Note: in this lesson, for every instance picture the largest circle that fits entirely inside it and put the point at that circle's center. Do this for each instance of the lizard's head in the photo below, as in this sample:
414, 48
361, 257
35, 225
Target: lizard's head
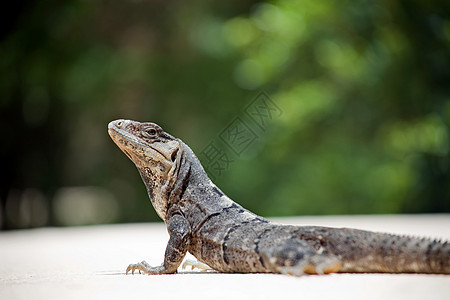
155, 153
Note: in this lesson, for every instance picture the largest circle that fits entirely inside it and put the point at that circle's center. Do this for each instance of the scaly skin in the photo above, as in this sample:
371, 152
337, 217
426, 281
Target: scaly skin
201, 219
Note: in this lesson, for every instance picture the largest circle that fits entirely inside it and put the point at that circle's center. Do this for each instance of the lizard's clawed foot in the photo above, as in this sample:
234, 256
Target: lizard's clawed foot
143, 266
195, 264
298, 258
315, 265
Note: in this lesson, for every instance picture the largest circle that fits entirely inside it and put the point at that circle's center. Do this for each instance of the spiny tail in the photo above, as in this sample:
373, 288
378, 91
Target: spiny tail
417, 255
380, 252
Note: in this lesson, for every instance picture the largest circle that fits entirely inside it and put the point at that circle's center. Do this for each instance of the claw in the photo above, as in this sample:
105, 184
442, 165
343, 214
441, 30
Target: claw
144, 268
132, 268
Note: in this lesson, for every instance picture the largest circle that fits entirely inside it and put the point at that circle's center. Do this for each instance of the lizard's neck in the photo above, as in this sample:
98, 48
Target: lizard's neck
193, 188
191, 170
167, 189
187, 182
189, 178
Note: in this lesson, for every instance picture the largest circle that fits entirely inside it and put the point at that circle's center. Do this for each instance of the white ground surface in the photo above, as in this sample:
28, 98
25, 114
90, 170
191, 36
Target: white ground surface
89, 263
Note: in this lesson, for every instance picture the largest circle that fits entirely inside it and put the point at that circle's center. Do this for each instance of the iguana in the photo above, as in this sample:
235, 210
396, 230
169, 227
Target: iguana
203, 221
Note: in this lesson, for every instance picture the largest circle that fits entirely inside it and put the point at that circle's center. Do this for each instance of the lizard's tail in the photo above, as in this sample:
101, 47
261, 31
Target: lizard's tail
398, 254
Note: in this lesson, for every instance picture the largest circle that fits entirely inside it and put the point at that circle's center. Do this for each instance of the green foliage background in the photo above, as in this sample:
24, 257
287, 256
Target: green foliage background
363, 85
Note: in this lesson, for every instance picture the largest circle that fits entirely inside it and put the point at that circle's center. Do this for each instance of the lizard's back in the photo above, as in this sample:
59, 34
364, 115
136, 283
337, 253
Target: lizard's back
239, 241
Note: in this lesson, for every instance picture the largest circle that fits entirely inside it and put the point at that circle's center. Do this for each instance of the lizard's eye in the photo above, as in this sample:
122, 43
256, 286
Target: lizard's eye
149, 132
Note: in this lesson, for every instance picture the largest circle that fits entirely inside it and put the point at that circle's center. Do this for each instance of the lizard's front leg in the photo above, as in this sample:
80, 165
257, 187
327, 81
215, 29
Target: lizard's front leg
179, 231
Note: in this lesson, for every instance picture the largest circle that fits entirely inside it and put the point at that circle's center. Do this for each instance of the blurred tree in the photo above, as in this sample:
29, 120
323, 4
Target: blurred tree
363, 87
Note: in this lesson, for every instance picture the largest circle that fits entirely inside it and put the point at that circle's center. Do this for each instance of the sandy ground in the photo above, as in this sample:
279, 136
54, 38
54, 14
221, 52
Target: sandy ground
89, 263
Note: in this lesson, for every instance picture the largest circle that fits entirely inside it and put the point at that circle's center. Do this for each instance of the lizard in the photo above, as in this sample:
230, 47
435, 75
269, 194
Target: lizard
220, 233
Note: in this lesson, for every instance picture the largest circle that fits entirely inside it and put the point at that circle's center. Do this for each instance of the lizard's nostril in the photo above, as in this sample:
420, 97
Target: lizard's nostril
119, 124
